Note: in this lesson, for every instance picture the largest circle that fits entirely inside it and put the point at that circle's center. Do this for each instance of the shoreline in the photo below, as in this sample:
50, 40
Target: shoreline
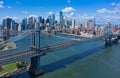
16, 70
9, 74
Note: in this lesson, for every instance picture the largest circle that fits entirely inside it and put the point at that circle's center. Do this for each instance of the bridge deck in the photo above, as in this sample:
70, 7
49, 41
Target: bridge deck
31, 53
6, 59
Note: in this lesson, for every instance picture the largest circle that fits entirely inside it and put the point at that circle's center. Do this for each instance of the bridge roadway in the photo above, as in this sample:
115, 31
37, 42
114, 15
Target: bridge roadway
6, 59
3, 43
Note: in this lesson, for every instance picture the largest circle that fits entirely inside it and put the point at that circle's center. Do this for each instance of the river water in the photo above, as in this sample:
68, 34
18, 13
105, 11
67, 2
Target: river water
88, 60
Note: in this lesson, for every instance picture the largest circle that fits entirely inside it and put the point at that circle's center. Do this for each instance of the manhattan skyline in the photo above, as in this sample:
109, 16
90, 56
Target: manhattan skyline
103, 10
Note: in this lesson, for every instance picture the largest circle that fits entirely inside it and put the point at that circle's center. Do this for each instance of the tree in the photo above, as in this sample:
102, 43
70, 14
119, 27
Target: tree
22, 63
1, 68
18, 65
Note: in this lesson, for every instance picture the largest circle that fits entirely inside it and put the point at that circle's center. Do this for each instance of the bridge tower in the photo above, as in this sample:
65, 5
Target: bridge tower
35, 66
108, 34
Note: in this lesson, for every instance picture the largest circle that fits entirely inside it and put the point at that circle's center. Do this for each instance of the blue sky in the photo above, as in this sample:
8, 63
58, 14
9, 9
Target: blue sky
103, 10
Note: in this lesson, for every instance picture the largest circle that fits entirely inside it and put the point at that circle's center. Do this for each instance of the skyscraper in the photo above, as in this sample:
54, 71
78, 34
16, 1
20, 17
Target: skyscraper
94, 21
90, 24
53, 19
66, 21
40, 19
12, 25
47, 20
73, 23
15, 27
7, 26
19, 28
37, 24
85, 25
69, 23
24, 24
61, 19
31, 20
50, 20
7, 23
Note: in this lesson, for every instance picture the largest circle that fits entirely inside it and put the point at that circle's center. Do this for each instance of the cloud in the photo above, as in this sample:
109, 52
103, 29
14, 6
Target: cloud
68, 9
102, 11
9, 7
72, 13
116, 9
8, 17
68, 1
18, 2
110, 18
85, 15
57, 14
1, 4
25, 12
50, 13
33, 15
15, 17
115, 4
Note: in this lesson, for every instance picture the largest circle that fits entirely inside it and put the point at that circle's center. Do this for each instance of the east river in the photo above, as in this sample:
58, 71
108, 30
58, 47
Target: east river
88, 60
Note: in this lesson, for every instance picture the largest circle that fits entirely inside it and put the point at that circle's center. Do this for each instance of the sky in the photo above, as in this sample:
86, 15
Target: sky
103, 11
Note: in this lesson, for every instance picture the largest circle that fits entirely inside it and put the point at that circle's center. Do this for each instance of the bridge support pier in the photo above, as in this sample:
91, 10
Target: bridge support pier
35, 66
118, 37
108, 41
